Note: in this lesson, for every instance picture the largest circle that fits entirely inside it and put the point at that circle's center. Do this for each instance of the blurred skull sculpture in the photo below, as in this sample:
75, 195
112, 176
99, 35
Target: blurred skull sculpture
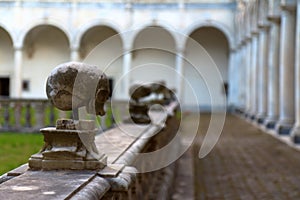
73, 85
138, 109
71, 144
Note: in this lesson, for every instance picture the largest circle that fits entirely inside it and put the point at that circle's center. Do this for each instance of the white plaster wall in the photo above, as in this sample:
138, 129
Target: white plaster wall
74, 20
105, 49
216, 45
6, 55
154, 57
205, 69
50, 49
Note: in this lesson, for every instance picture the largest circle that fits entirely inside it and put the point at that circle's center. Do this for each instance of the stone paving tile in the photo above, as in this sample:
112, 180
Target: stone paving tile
184, 181
246, 164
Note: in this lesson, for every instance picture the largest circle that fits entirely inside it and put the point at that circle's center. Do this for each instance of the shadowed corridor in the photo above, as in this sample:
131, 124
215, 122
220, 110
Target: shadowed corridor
245, 164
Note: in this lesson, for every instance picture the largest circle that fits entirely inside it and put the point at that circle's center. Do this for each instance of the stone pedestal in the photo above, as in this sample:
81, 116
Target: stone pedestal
283, 127
270, 122
296, 134
69, 145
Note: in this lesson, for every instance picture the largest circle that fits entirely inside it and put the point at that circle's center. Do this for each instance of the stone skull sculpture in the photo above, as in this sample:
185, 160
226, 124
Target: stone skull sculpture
139, 91
72, 85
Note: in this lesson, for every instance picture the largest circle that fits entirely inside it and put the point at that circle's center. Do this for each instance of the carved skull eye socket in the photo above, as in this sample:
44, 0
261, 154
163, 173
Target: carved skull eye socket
102, 95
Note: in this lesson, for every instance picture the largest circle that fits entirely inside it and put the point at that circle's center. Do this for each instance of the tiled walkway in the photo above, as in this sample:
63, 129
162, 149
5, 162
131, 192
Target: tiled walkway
245, 164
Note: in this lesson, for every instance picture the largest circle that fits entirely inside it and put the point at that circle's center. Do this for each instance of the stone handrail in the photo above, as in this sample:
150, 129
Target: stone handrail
95, 1
120, 179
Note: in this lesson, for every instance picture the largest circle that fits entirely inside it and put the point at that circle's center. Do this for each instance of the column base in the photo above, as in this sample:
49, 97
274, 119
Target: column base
270, 122
239, 111
252, 117
283, 128
296, 139
260, 118
295, 132
248, 114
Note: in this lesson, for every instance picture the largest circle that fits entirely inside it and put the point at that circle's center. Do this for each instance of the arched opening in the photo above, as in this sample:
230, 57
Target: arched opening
102, 46
7, 63
215, 43
45, 47
153, 57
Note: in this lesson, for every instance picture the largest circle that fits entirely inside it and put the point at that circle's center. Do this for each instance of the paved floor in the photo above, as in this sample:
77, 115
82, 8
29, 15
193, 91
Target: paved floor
245, 164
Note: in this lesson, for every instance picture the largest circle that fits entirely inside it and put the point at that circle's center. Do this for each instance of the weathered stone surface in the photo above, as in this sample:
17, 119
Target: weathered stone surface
117, 180
72, 85
111, 170
45, 185
139, 110
139, 107
69, 124
63, 149
139, 113
71, 144
115, 142
124, 180
95, 189
18, 171
160, 88
139, 91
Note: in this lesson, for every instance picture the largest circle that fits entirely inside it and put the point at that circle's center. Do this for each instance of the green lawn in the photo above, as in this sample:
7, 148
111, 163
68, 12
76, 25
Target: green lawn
16, 148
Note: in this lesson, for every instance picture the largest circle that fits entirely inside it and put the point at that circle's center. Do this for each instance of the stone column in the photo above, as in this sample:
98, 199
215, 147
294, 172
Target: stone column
262, 73
75, 54
296, 128
238, 77
179, 80
286, 71
273, 73
232, 78
243, 80
254, 74
248, 77
127, 59
17, 77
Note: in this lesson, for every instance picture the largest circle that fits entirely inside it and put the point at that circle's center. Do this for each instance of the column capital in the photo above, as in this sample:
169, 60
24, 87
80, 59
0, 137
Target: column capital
263, 27
274, 18
288, 7
127, 50
180, 50
240, 45
233, 50
127, 47
18, 47
254, 33
244, 41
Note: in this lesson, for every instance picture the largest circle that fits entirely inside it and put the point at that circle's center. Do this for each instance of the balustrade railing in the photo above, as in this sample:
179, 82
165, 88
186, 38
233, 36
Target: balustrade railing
29, 115
139, 166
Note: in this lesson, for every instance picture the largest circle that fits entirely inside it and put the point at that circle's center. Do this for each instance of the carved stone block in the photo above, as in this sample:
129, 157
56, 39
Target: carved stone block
64, 149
